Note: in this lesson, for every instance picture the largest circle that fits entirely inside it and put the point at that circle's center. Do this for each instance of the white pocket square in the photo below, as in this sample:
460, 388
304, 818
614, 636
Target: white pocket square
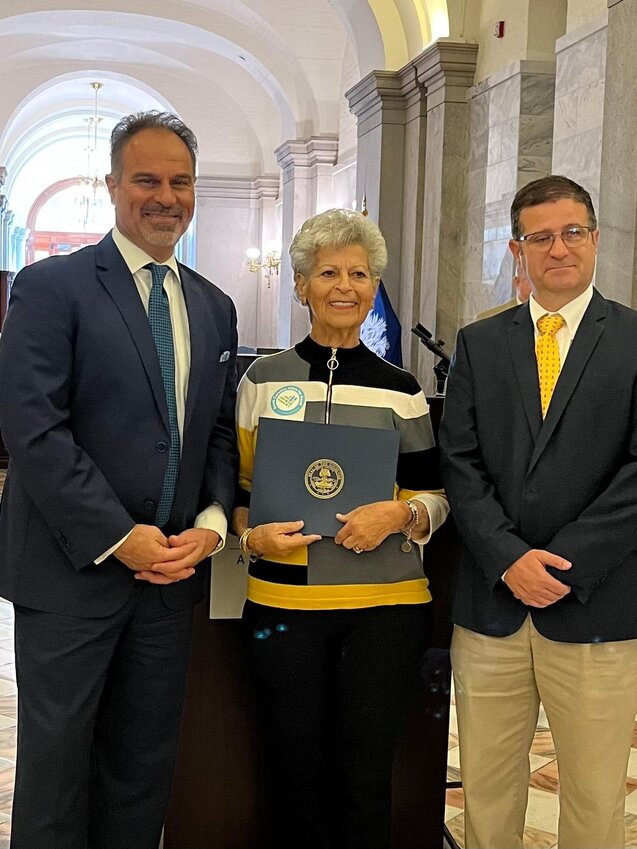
224, 357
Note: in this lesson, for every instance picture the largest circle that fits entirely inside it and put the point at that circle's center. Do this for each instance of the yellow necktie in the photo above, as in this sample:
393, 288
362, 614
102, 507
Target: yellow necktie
548, 356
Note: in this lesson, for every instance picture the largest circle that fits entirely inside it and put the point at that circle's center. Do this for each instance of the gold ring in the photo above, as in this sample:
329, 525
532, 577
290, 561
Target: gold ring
357, 550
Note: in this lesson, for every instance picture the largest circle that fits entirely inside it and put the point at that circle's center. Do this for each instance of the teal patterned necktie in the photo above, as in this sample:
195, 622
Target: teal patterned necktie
161, 328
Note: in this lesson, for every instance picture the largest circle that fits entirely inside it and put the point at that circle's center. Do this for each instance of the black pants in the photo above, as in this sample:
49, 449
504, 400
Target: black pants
334, 688
99, 704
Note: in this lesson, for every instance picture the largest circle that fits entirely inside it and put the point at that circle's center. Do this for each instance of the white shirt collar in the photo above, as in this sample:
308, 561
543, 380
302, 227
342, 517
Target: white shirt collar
572, 313
135, 258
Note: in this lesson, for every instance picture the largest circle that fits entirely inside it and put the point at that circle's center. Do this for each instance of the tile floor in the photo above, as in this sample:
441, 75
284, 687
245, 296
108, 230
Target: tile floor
8, 695
542, 812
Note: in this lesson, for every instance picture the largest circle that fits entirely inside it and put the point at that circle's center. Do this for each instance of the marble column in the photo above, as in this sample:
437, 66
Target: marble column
20, 245
617, 260
4, 204
414, 155
266, 200
446, 69
378, 101
230, 219
8, 239
306, 183
4, 210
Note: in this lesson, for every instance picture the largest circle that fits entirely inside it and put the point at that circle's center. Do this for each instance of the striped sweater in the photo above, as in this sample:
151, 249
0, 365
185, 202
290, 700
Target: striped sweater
365, 391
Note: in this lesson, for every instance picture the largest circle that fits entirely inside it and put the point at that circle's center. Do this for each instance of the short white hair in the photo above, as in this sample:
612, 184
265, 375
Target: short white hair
338, 228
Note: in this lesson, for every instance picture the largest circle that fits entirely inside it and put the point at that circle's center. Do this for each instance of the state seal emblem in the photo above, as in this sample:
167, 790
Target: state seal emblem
324, 478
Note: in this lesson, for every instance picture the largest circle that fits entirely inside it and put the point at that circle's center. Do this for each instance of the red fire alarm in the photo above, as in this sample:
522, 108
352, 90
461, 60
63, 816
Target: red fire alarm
498, 29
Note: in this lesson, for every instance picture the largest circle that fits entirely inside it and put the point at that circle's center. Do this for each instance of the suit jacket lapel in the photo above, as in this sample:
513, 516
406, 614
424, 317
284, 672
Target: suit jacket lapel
583, 345
522, 349
203, 337
116, 278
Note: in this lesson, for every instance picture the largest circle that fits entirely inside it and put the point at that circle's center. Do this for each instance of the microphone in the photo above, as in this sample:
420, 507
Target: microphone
441, 368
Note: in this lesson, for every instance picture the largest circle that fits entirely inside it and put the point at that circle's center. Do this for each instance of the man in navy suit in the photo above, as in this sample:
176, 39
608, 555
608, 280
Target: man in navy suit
117, 391
539, 448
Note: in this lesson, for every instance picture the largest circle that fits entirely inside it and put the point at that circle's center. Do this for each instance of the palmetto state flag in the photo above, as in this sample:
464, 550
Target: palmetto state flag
381, 329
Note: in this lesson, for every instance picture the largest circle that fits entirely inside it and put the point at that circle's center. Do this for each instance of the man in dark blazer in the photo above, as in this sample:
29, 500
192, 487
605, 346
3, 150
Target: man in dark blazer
122, 472
542, 481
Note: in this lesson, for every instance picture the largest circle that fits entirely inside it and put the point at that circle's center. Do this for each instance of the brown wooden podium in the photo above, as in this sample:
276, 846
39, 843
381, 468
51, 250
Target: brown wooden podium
217, 800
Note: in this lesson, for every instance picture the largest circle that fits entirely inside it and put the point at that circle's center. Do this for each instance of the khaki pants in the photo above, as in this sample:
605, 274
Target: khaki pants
589, 693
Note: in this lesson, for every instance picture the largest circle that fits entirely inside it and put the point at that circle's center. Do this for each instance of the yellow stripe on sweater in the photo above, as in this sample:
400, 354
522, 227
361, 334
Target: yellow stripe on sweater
337, 596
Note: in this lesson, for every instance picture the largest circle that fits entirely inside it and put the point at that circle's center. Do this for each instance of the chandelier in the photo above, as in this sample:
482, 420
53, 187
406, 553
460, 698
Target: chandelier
91, 188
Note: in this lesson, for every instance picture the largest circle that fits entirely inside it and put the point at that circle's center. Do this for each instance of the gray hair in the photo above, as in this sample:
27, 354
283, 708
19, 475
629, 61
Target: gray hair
128, 126
337, 228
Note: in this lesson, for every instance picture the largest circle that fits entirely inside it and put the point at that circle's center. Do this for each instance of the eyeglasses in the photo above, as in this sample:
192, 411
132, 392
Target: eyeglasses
573, 237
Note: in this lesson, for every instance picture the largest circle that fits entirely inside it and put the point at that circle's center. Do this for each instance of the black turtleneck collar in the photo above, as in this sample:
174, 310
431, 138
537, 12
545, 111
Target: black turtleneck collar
318, 355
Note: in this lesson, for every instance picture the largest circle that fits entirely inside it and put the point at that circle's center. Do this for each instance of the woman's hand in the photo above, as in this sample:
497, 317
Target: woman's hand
278, 539
367, 526
275, 538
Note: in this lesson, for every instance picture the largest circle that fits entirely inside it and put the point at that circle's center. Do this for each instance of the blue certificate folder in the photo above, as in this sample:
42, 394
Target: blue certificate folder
310, 471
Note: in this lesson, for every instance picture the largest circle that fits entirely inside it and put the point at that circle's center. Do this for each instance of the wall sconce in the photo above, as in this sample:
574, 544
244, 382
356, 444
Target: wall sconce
270, 264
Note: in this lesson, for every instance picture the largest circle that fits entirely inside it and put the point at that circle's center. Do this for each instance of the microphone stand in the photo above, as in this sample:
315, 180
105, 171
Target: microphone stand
441, 368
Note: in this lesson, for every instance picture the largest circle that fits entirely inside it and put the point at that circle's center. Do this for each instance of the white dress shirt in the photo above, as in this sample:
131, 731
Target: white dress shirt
213, 518
572, 313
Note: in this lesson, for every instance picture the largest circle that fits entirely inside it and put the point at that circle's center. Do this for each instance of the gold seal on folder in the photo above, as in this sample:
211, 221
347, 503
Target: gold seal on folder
324, 478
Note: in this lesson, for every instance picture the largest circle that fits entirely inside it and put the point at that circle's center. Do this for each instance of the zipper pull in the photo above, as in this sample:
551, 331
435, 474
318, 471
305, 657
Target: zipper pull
332, 365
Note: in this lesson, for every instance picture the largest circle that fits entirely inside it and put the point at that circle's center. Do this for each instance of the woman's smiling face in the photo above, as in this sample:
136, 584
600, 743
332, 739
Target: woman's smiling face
340, 292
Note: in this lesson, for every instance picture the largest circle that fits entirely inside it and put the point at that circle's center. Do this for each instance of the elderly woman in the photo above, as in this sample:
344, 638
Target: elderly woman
336, 663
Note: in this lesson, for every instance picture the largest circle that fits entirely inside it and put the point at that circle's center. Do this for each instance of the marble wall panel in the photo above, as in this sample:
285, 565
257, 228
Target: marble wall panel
492, 257
535, 136
517, 123
578, 110
472, 265
532, 168
509, 139
478, 113
478, 152
537, 94
580, 87
475, 225
496, 220
501, 180
578, 157
504, 101
580, 62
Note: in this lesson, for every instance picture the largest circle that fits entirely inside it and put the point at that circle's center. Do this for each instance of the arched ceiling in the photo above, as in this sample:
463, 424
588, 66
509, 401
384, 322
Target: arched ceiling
245, 74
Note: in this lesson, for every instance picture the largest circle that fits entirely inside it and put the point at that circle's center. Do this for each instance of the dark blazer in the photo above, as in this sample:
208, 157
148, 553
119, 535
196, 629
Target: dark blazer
84, 417
567, 484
